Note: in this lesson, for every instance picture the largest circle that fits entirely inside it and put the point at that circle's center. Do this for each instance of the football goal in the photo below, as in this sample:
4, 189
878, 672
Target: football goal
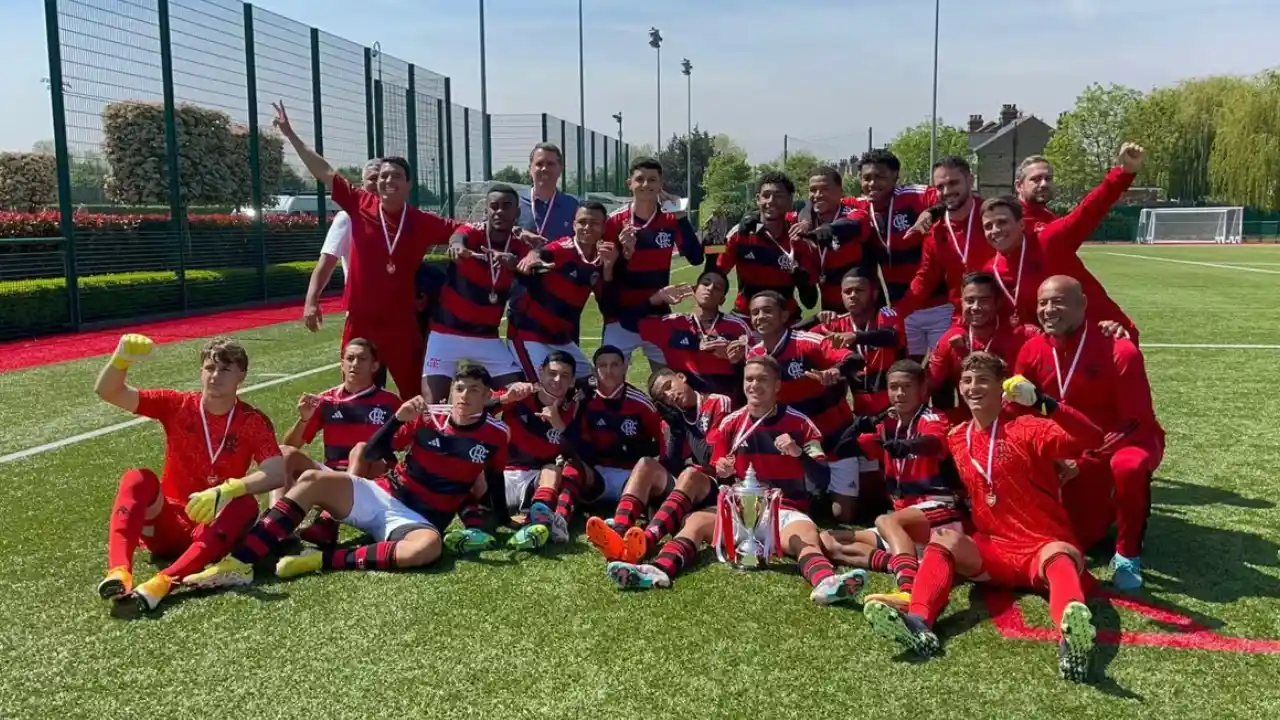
1222, 225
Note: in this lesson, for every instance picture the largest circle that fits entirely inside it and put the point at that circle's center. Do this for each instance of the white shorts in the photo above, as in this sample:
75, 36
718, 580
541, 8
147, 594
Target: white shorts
612, 480
844, 477
627, 342
445, 352
955, 525
868, 466
785, 518
520, 485
531, 355
378, 512
925, 328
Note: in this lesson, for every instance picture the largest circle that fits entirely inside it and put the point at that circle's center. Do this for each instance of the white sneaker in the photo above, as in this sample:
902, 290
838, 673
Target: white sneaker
559, 529
839, 588
637, 577
227, 572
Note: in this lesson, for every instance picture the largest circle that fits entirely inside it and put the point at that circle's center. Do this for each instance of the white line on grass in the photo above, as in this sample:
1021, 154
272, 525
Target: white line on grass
1199, 346
1194, 262
74, 439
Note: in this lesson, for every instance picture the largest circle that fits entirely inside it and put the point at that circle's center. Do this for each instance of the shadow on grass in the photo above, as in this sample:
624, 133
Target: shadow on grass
1168, 491
1209, 564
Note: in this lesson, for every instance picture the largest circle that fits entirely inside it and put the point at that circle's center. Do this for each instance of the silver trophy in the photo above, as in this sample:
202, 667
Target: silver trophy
747, 533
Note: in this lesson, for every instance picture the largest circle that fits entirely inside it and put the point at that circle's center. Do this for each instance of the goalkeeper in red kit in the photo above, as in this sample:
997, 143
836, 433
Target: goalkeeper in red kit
1022, 535
202, 502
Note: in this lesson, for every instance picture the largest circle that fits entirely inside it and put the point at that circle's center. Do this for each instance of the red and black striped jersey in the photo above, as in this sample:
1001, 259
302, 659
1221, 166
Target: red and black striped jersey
844, 255
708, 413
798, 353
766, 263
348, 420
915, 478
445, 460
901, 248
549, 308
871, 387
475, 291
679, 336
751, 442
617, 431
534, 441
648, 270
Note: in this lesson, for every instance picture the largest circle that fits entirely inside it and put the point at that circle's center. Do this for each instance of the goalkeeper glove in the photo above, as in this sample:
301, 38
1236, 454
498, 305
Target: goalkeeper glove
130, 348
1022, 391
203, 507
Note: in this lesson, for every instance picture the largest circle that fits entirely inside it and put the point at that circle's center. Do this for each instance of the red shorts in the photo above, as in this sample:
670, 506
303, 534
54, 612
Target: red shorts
401, 348
1090, 497
1010, 566
170, 533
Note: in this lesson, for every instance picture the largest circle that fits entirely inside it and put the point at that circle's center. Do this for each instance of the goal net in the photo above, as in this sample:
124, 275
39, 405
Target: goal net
1223, 225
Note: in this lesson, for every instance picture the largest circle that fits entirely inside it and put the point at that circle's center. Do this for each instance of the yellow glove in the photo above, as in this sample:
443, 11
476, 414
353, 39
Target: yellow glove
203, 507
132, 347
1020, 390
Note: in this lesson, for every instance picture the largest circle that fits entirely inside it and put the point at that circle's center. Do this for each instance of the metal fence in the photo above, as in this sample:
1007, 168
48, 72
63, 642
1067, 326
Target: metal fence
123, 239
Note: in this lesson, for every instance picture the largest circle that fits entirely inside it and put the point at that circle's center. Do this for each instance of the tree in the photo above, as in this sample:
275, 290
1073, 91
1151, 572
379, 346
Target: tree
291, 183
727, 187
513, 174
675, 156
1084, 146
88, 177
912, 148
799, 166
1244, 165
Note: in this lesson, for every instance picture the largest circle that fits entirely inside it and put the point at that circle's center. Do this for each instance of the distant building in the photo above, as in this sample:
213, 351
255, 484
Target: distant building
1001, 145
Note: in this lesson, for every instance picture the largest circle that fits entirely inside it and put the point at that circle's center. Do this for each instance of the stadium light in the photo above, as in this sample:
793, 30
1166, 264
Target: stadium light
687, 69
655, 42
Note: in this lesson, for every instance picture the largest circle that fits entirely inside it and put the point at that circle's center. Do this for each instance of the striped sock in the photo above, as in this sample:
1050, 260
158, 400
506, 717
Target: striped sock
378, 556
278, 523
473, 515
669, 517
629, 509
879, 561
675, 554
904, 568
569, 491
546, 494
816, 567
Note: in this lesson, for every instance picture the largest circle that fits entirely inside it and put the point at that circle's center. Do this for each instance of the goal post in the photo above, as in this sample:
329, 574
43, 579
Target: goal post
1220, 225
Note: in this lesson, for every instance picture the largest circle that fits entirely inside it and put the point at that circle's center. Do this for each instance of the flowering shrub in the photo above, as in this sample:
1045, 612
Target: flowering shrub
28, 180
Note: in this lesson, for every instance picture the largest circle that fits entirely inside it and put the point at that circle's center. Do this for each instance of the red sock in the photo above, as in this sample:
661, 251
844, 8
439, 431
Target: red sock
630, 507
675, 554
879, 561
1133, 498
815, 567
378, 556
932, 588
1063, 578
904, 568
669, 516
546, 494
212, 542
138, 489
323, 532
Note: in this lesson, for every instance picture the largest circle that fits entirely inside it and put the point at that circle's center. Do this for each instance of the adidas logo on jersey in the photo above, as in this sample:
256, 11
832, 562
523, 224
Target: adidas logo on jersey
435, 442
337, 415
748, 255
601, 423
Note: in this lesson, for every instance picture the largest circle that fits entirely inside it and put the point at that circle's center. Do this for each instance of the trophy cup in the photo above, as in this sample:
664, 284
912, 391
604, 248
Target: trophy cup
747, 533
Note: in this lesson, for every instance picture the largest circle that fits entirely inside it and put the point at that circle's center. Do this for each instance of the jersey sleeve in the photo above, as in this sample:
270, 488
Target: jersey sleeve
314, 424
653, 426
1066, 234
404, 435
939, 369
727, 259
261, 436
347, 197
931, 273
719, 441
337, 241
935, 426
811, 441
870, 445
158, 404
823, 355
650, 329
688, 242
499, 458
1133, 396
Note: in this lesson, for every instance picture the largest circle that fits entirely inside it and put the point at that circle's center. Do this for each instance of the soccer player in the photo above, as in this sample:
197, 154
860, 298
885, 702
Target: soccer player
348, 415
1033, 183
547, 316
954, 245
979, 328
388, 241
1106, 380
894, 211
616, 430
842, 245
464, 324
646, 237
1022, 536
336, 249
405, 510
879, 339
765, 255
696, 343
546, 212
539, 417
784, 447
690, 417
1024, 260
202, 503
911, 442
815, 380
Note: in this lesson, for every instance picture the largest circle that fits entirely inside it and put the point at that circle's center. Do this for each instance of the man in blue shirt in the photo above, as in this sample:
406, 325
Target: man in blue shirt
544, 210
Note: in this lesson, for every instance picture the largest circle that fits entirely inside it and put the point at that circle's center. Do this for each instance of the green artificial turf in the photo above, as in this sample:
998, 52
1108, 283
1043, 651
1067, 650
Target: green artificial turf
509, 635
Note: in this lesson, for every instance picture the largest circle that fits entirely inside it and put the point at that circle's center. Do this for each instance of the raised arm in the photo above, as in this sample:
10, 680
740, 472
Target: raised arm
111, 385
1068, 233
316, 165
688, 241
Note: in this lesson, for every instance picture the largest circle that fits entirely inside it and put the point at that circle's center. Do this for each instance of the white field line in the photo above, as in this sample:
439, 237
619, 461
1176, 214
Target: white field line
1194, 262
1199, 346
75, 439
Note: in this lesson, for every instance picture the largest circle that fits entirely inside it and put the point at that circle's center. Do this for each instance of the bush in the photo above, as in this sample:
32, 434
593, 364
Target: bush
28, 181
213, 156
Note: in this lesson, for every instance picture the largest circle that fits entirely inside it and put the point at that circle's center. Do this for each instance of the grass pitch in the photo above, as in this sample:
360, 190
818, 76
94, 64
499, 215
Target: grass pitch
508, 635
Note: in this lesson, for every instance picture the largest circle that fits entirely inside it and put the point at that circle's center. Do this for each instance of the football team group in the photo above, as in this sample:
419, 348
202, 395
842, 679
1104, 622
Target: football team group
966, 390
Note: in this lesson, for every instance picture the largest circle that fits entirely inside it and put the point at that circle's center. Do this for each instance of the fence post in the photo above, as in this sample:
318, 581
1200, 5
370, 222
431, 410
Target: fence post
486, 126
564, 140
448, 131
466, 142
594, 186
255, 160
440, 152
411, 126
177, 217
379, 120
582, 170
368, 103
322, 207
604, 166
66, 222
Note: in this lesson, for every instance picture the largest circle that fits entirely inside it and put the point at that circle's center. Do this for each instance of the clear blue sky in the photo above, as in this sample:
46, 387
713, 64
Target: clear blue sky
822, 71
